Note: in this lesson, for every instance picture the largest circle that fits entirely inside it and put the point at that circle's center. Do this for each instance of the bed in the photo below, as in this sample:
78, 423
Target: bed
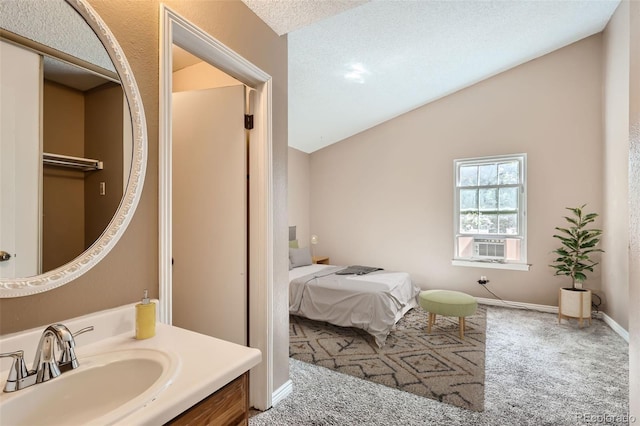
373, 302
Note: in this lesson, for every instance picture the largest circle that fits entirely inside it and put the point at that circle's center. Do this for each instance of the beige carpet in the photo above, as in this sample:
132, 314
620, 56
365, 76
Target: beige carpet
439, 366
537, 373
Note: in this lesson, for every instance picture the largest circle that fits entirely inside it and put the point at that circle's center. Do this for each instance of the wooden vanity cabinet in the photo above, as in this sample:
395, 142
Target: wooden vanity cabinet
227, 406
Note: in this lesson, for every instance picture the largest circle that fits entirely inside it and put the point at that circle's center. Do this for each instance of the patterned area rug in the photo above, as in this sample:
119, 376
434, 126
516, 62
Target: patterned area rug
439, 365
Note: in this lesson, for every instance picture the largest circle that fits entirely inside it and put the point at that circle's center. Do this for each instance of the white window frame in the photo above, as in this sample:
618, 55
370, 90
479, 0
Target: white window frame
519, 264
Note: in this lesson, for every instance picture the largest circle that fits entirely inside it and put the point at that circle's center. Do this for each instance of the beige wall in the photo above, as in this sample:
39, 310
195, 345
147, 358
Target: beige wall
81, 124
634, 209
621, 263
201, 76
133, 264
615, 241
103, 141
298, 195
384, 197
63, 202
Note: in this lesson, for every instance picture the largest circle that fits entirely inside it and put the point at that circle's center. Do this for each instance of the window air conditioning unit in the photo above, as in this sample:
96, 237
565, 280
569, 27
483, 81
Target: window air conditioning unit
488, 248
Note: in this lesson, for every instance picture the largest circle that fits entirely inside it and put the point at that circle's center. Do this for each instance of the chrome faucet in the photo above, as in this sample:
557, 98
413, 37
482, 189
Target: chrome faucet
45, 365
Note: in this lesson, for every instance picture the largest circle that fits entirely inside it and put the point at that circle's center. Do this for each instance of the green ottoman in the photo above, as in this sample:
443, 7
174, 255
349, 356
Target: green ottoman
448, 303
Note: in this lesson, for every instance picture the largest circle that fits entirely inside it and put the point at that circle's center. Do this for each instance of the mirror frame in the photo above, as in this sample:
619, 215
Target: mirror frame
17, 287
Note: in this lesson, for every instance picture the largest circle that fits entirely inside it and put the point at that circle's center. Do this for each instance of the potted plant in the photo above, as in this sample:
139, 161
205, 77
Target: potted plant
578, 243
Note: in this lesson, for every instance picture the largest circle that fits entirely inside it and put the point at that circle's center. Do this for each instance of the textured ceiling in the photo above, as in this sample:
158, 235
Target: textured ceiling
284, 16
351, 68
56, 24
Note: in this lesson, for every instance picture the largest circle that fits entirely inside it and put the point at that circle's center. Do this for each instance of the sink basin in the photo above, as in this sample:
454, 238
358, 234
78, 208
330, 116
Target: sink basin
104, 389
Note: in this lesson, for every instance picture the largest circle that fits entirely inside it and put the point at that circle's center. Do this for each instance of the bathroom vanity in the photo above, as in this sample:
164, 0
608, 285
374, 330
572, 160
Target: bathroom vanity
228, 406
177, 377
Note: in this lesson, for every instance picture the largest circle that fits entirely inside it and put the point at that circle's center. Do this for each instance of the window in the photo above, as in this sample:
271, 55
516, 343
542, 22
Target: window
490, 211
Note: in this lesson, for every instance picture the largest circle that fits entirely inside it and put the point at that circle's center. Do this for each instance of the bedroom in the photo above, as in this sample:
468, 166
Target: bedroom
384, 197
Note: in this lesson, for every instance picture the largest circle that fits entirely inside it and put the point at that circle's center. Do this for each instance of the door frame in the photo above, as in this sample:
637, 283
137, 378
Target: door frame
174, 29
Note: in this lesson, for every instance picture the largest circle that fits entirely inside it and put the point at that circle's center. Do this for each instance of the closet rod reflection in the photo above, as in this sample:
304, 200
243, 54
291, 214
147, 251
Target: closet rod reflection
85, 164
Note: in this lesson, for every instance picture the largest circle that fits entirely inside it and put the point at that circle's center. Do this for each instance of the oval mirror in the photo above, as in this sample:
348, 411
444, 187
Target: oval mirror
73, 144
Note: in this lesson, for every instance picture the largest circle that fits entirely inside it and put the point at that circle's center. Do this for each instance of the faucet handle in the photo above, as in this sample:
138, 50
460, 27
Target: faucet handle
82, 330
17, 372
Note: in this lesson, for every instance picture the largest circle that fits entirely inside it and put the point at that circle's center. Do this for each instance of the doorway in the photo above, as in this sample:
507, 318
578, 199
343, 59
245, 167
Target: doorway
176, 30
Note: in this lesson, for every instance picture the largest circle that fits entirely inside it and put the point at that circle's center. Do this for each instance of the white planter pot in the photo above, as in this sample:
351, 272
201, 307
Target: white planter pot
574, 304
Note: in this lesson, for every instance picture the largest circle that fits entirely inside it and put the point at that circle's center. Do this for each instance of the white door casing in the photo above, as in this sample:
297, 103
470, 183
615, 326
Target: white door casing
20, 160
175, 29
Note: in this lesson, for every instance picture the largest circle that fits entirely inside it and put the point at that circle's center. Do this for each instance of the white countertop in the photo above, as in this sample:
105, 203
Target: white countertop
206, 364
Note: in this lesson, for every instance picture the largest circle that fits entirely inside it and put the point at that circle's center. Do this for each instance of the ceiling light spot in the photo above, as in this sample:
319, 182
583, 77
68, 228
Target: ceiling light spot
356, 72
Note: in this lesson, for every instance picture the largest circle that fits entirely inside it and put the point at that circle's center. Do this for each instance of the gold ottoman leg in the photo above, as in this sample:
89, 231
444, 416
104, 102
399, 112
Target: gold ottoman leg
432, 319
462, 325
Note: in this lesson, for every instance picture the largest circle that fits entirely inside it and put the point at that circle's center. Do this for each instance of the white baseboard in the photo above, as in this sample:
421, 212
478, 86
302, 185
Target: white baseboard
616, 327
281, 393
518, 305
554, 310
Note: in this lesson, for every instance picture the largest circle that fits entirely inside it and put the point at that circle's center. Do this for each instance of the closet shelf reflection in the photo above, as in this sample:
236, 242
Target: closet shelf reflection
84, 164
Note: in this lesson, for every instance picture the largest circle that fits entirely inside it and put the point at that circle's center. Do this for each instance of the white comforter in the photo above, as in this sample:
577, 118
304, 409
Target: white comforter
373, 302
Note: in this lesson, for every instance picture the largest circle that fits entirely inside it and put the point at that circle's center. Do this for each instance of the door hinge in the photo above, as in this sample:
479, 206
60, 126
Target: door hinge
248, 121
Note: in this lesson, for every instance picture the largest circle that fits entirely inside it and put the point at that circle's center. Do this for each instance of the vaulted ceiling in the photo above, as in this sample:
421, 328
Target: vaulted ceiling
356, 64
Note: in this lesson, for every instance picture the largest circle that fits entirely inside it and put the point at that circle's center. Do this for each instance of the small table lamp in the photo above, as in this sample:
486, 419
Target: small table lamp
314, 241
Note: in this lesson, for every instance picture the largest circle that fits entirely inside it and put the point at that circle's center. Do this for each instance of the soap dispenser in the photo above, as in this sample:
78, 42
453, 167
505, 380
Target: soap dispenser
145, 318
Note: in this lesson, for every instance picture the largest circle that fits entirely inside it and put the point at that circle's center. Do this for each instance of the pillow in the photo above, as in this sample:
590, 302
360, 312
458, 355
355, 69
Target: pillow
292, 233
300, 257
293, 244
290, 265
